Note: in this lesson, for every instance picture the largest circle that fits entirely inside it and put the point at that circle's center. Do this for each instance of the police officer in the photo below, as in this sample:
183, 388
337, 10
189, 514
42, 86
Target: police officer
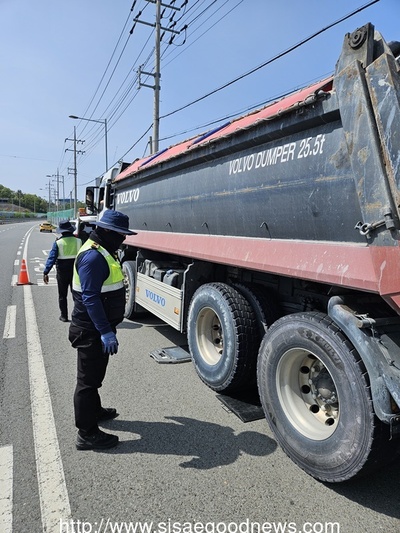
99, 305
62, 254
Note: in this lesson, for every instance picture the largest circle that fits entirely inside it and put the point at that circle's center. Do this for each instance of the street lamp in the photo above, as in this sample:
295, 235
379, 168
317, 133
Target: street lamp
101, 121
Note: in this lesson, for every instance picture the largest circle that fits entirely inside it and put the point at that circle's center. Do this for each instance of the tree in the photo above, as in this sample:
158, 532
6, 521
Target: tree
30, 202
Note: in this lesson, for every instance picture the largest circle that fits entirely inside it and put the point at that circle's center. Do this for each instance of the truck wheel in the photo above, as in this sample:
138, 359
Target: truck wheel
315, 394
263, 303
131, 311
221, 332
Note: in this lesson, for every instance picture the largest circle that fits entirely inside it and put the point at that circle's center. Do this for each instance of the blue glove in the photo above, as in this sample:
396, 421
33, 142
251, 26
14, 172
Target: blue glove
110, 343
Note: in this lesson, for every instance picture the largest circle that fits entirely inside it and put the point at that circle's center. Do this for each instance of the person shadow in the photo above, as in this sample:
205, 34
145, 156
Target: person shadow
207, 444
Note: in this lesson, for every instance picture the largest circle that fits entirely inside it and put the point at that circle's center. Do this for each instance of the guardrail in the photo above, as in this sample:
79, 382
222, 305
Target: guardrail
11, 220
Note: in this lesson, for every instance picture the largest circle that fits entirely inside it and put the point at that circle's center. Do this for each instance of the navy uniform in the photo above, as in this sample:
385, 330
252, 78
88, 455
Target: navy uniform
99, 305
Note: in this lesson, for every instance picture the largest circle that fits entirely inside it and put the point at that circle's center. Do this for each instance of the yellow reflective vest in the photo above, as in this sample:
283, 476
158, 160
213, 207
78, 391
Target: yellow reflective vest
115, 277
68, 247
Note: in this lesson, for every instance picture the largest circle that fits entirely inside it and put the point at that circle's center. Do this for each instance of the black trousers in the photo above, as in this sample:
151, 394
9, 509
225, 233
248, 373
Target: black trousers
64, 281
91, 370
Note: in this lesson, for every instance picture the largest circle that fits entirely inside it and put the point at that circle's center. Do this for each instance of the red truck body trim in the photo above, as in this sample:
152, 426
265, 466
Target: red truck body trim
241, 123
373, 269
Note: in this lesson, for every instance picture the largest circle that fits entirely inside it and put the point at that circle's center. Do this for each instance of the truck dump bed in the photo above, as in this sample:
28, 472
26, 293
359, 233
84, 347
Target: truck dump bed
305, 187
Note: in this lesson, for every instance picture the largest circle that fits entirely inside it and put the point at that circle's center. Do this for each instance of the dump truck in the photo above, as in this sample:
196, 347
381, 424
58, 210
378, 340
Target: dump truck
273, 242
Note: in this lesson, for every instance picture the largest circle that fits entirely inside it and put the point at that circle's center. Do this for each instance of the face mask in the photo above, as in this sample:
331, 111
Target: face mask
110, 239
118, 240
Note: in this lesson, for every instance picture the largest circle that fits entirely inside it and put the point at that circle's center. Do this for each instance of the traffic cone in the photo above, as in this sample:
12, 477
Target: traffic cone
23, 275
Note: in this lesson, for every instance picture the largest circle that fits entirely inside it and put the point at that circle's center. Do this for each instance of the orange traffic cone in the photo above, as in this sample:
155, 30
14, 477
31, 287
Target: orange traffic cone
23, 275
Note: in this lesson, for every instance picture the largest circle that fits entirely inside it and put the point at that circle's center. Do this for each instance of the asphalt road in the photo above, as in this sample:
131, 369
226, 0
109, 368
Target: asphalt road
184, 464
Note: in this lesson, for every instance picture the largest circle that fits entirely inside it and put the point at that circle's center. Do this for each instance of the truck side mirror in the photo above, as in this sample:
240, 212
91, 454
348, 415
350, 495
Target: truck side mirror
90, 198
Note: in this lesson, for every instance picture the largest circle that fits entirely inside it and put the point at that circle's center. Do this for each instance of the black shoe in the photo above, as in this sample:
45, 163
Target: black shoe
64, 319
107, 413
96, 441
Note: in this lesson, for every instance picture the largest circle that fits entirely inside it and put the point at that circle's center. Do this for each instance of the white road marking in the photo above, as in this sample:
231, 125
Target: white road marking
39, 268
9, 326
16, 262
14, 280
53, 494
6, 488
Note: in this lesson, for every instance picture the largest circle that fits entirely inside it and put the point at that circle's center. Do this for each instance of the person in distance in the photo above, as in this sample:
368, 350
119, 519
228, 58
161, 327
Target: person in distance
62, 254
99, 305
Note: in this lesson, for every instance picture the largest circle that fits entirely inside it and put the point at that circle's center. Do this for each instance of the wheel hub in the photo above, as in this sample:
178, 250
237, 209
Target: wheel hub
308, 394
210, 336
323, 388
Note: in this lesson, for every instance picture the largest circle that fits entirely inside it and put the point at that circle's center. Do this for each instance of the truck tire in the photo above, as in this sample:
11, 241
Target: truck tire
221, 333
263, 303
315, 394
131, 310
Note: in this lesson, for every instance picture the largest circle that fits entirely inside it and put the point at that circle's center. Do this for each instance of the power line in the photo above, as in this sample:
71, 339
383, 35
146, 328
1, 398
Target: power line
127, 91
95, 138
61, 161
278, 56
201, 26
109, 63
242, 111
98, 132
193, 18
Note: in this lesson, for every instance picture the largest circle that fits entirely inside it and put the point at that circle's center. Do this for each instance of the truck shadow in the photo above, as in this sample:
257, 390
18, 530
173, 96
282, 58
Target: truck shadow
171, 335
211, 445
379, 491
145, 320
207, 444
151, 321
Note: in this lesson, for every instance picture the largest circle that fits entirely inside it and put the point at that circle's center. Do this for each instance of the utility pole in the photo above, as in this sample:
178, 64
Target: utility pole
76, 141
157, 70
57, 177
63, 190
49, 187
157, 76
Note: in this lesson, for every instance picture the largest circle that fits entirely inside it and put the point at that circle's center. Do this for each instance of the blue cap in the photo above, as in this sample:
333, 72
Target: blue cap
115, 221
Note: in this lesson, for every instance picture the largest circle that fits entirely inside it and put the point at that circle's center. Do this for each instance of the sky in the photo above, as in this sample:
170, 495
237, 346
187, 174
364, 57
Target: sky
81, 57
